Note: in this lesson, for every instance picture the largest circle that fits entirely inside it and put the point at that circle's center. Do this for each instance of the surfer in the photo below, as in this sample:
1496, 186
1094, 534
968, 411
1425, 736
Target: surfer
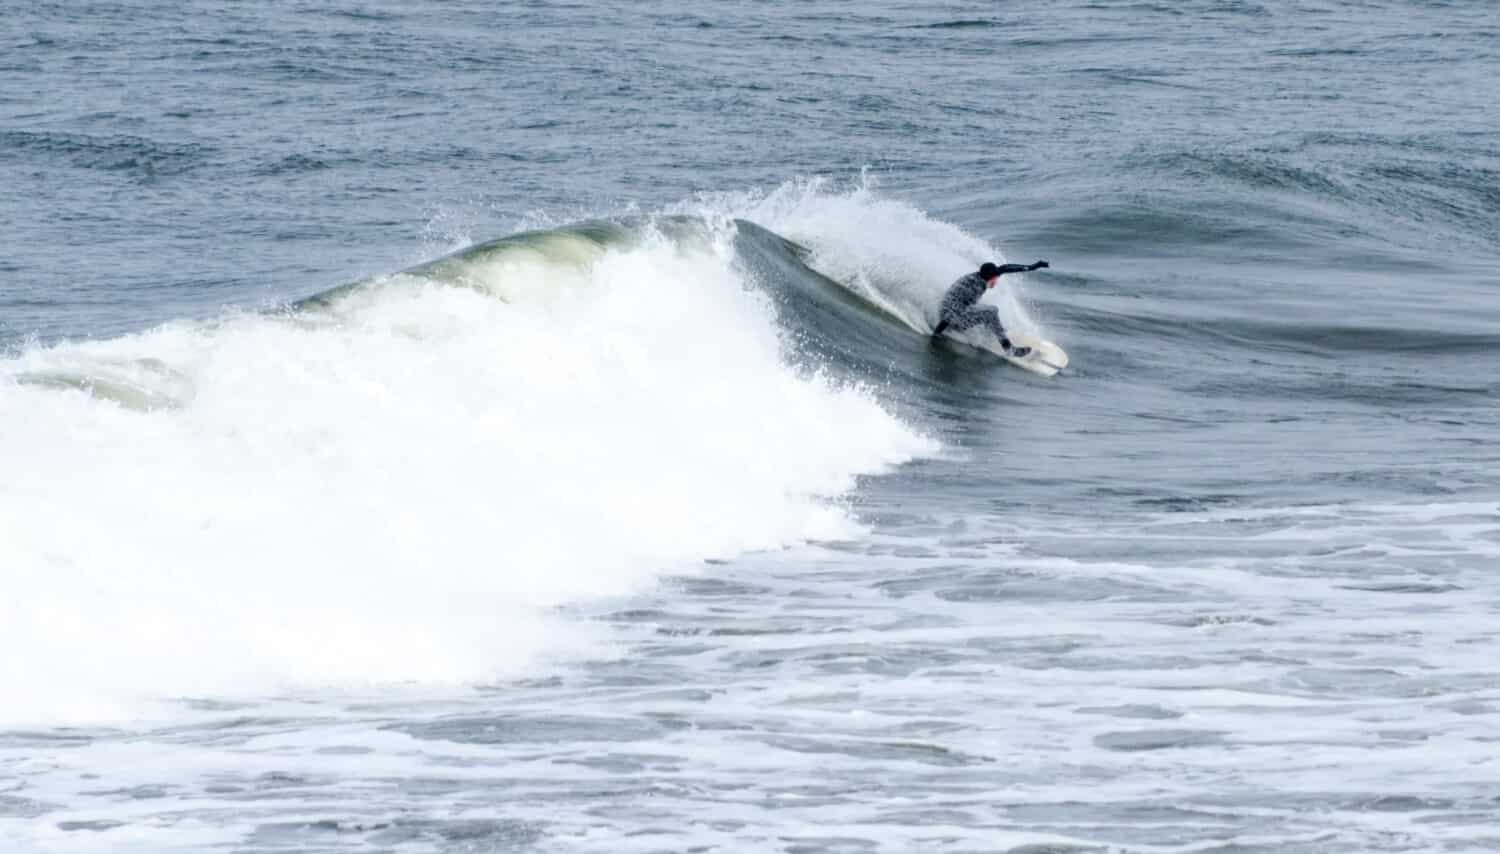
959, 311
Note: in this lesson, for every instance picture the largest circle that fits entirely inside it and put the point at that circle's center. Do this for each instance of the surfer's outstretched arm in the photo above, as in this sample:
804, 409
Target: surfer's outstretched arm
1022, 268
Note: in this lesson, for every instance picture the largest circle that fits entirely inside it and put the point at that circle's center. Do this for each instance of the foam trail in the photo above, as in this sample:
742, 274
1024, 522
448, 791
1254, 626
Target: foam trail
404, 485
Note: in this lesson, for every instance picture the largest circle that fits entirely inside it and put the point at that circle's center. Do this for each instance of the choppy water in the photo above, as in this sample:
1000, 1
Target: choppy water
647, 519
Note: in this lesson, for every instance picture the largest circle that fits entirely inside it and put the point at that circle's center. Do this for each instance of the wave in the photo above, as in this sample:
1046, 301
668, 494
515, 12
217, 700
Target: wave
851, 274
403, 479
111, 153
407, 478
961, 24
1314, 188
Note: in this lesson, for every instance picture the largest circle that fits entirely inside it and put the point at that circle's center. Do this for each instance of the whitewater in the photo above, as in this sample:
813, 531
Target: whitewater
404, 486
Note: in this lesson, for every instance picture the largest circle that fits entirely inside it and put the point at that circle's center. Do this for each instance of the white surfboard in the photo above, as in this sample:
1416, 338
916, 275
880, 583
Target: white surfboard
1045, 358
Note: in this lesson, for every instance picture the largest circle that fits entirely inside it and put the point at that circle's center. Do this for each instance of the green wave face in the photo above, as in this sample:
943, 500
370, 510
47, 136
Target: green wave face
842, 324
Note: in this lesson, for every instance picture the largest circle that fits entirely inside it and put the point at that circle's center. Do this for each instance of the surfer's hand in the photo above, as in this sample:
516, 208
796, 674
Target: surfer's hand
1039, 265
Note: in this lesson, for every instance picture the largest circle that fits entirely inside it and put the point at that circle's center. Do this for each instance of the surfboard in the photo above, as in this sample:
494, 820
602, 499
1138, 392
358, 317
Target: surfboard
1045, 358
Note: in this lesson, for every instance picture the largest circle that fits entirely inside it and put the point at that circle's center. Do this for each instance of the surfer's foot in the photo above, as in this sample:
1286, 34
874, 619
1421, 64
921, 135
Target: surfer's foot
1019, 352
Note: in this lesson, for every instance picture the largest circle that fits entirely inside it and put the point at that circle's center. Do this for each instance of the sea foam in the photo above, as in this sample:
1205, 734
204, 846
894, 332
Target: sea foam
405, 485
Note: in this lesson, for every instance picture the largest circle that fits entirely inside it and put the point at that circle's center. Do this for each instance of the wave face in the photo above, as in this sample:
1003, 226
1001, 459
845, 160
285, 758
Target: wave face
404, 479
415, 477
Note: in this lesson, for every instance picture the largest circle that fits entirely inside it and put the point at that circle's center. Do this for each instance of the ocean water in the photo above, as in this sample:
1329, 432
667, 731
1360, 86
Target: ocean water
480, 427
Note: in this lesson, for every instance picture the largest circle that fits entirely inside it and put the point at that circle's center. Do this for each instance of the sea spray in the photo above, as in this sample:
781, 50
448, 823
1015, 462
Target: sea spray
403, 485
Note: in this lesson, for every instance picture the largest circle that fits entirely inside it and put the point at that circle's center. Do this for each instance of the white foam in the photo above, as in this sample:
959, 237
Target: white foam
405, 488
887, 250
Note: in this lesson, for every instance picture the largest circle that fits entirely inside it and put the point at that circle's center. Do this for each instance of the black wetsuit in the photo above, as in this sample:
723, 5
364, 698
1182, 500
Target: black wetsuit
959, 311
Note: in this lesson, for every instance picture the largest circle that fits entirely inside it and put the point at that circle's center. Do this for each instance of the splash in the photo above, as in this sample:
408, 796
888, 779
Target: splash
406, 482
890, 252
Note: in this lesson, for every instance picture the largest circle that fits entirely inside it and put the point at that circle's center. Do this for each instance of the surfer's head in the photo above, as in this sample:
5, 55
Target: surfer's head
989, 272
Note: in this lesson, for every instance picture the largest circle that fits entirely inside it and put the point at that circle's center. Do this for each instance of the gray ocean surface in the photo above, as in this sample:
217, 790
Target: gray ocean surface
478, 427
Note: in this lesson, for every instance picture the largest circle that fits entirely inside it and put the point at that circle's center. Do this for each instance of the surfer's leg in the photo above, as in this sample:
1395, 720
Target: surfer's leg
967, 318
990, 316
959, 321
952, 319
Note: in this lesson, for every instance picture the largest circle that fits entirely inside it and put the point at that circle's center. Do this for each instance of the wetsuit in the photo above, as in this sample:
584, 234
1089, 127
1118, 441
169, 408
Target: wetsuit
959, 311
